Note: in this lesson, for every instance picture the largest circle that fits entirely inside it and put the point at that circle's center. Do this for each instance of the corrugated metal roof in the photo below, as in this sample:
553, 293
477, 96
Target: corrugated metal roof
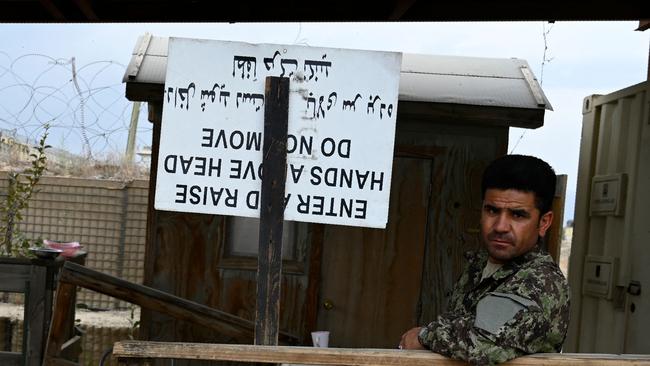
495, 82
154, 65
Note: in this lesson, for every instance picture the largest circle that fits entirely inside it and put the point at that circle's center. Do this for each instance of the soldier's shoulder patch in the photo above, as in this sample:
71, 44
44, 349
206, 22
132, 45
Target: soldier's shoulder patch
497, 308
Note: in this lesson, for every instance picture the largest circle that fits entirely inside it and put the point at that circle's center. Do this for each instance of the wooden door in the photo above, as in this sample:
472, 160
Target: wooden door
372, 277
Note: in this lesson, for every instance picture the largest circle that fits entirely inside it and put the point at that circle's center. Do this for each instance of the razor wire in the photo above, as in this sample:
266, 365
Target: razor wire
83, 103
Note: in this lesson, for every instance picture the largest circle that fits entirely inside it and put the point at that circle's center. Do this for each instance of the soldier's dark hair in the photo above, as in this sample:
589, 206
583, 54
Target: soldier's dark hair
523, 173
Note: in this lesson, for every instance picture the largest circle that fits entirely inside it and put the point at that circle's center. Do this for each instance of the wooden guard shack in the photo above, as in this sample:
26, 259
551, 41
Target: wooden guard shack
366, 286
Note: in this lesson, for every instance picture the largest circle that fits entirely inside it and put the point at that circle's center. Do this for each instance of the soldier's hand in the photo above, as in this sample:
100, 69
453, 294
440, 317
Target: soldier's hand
410, 339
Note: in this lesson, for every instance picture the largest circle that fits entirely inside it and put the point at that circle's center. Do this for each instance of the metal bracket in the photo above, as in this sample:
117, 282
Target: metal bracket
634, 288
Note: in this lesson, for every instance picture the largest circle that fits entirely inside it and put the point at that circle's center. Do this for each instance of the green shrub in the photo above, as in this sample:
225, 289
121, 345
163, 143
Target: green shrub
21, 187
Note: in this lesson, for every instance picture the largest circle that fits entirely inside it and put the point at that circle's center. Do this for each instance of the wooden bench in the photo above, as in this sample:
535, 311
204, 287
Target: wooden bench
140, 353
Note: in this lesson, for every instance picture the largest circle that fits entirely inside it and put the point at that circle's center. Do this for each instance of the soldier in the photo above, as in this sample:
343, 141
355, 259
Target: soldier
511, 299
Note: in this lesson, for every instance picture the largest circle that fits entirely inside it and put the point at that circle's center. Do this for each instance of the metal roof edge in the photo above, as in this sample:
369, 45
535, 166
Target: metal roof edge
149, 68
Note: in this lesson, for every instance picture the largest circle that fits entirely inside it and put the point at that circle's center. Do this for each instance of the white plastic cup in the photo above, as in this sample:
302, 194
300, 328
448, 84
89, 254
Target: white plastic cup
320, 338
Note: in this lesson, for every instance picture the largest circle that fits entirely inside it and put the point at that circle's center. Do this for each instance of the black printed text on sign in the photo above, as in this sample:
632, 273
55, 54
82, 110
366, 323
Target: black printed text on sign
342, 112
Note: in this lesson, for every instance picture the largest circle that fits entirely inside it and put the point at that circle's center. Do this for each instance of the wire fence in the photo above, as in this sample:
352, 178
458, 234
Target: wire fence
83, 102
107, 217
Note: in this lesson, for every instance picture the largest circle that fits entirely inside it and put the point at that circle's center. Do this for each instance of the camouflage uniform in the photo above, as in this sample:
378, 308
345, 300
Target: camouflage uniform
522, 308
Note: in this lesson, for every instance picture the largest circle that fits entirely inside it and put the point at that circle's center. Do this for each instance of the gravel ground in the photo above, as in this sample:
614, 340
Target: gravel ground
108, 319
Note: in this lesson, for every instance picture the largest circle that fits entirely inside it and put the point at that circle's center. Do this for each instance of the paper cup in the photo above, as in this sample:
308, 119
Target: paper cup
320, 338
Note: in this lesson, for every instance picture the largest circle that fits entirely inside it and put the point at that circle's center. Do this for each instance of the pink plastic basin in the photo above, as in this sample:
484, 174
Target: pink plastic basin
69, 249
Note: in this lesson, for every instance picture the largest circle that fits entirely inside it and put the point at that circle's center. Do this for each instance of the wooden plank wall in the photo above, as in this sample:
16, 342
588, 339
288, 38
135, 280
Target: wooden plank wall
382, 282
183, 250
183, 254
371, 277
186, 264
455, 201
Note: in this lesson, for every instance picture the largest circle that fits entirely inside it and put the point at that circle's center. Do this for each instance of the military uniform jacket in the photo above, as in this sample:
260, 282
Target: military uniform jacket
522, 308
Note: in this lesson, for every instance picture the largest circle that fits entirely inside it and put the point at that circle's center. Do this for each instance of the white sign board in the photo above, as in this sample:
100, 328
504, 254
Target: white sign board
342, 112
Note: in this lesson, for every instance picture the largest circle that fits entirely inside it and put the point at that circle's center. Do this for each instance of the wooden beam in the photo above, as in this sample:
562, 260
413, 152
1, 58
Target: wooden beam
553, 239
154, 116
314, 281
471, 114
11, 359
129, 350
35, 324
54, 11
153, 215
13, 276
86, 9
644, 24
278, 354
144, 92
400, 8
269, 262
228, 324
60, 319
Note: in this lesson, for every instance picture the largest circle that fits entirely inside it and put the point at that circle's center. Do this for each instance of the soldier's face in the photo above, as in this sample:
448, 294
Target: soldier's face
511, 224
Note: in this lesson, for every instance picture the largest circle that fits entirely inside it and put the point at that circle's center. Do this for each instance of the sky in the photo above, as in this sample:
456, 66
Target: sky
571, 60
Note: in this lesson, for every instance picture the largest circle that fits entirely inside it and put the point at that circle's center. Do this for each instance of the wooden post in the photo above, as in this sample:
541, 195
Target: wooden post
60, 318
553, 239
133, 129
269, 263
35, 316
